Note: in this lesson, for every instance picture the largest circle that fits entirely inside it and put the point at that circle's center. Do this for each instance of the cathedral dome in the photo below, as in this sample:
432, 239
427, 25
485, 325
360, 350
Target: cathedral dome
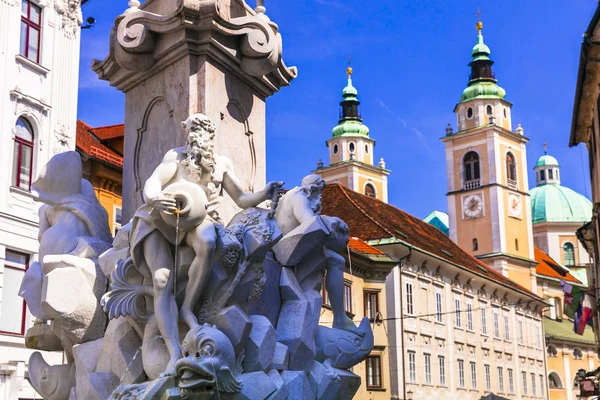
350, 128
551, 202
556, 203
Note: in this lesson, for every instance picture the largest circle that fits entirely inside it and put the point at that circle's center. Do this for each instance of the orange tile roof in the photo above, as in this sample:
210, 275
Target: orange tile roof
550, 268
370, 219
109, 131
90, 144
361, 246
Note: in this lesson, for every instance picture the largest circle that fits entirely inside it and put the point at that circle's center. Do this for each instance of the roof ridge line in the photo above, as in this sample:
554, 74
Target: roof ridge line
363, 211
108, 126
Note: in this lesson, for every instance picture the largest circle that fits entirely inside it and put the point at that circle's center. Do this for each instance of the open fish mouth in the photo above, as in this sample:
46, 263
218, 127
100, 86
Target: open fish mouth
196, 377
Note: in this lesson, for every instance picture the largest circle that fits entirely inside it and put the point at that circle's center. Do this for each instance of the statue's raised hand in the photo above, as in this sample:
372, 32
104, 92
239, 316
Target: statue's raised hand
164, 203
274, 190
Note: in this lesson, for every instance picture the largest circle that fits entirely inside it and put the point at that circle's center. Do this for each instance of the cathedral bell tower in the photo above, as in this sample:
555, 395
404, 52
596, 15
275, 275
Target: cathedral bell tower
351, 154
488, 200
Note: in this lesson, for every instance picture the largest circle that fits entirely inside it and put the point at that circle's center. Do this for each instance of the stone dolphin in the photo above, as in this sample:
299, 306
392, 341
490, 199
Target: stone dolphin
343, 349
53, 382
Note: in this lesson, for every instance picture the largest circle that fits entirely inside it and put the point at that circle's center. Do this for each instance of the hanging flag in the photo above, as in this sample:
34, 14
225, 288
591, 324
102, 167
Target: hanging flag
573, 298
582, 314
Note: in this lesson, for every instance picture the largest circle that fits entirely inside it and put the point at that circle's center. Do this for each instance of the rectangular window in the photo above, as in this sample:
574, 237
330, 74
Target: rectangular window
473, 375
488, 378
412, 366
520, 324
543, 175
31, 26
347, 297
117, 212
409, 299
533, 388
483, 319
506, 326
500, 379
457, 319
373, 372
371, 305
524, 376
442, 368
549, 177
469, 316
427, 358
424, 304
542, 387
438, 307
511, 382
496, 324
461, 373
13, 308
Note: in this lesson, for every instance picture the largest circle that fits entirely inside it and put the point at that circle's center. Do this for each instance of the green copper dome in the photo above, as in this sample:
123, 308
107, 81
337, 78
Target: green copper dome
480, 51
555, 203
483, 90
546, 160
482, 82
350, 122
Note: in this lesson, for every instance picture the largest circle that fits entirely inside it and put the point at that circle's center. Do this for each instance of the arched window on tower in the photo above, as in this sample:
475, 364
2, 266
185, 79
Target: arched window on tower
511, 171
370, 190
22, 154
475, 245
569, 254
471, 167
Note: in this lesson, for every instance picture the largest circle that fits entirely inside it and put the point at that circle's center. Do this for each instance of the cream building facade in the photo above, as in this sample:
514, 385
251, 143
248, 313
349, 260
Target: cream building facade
39, 58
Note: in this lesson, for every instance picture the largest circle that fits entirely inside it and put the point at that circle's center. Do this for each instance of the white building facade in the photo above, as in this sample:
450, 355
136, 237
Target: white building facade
39, 69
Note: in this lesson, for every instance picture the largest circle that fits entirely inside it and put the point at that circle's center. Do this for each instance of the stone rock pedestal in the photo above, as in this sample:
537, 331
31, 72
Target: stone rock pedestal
176, 58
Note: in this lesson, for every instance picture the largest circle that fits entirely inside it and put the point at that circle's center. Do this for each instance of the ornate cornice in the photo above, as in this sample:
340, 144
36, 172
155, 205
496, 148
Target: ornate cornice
140, 43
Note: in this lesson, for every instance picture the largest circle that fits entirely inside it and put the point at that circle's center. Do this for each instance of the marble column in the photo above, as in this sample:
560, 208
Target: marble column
176, 58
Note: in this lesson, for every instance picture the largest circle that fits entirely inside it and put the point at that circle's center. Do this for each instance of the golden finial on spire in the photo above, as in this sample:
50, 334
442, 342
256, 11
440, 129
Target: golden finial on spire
545, 147
349, 69
479, 24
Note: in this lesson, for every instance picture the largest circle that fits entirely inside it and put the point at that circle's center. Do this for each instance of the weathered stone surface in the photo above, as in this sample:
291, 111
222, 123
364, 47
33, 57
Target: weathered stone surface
289, 287
297, 385
294, 329
297, 244
255, 385
324, 381
349, 384
269, 304
281, 357
40, 336
53, 382
261, 344
282, 392
108, 260
86, 355
121, 352
234, 323
309, 272
92, 385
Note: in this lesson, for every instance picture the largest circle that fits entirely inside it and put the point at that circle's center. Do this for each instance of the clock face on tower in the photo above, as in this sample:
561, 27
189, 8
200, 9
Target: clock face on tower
472, 206
514, 205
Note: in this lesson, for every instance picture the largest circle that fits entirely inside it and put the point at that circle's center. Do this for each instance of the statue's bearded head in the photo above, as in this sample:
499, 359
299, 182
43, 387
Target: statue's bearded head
313, 186
200, 148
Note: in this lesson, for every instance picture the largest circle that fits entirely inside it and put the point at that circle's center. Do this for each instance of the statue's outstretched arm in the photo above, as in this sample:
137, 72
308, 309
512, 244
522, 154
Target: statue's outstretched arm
153, 194
246, 199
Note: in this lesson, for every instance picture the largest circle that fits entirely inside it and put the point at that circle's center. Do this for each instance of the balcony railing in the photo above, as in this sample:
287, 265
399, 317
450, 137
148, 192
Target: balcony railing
473, 184
512, 184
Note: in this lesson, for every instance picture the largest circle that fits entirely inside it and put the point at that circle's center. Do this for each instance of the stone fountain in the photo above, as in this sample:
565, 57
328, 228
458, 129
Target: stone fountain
207, 292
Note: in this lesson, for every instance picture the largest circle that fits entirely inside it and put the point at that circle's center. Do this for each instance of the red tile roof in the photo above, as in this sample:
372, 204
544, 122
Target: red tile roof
90, 144
550, 268
370, 219
361, 246
109, 131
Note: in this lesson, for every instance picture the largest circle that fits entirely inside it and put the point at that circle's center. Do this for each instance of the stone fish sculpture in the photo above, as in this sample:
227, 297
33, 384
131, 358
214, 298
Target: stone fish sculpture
245, 297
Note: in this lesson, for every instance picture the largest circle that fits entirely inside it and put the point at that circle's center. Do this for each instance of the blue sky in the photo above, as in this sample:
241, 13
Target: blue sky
410, 67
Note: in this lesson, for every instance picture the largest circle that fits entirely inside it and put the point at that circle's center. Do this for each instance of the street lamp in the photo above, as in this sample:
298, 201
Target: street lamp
409, 395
